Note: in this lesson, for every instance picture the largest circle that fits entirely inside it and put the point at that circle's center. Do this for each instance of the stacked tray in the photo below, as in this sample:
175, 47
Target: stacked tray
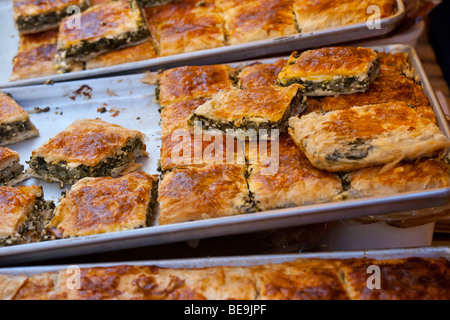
131, 103
235, 52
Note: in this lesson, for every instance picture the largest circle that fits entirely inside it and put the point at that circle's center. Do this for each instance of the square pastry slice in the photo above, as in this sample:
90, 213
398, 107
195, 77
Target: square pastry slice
196, 193
23, 214
331, 70
191, 82
182, 149
88, 148
33, 16
10, 168
359, 137
139, 52
254, 110
280, 176
401, 177
102, 28
253, 20
105, 204
325, 14
260, 74
15, 124
36, 56
186, 26
387, 87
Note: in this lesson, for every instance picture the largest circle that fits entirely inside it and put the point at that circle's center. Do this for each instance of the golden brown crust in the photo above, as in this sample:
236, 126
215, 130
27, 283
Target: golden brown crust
387, 87
359, 137
396, 63
33, 7
135, 53
252, 104
102, 21
35, 40
260, 74
313, 15
253, 20
186, 26
195, 193
99, 205
86, 141
15, 204
35, 62
286, 178
182, 148
10, 111
333, 279
190, 82
325, 63
174, 115
403, 177
401, 279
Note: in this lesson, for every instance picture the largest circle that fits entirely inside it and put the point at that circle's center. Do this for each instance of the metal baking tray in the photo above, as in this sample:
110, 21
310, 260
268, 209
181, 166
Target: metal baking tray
245, 261
133, 105
252, 50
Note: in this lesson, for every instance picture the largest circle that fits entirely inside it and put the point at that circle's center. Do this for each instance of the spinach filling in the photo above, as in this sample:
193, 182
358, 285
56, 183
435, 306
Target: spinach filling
86, 48
32, 229
45, 20
64, 174
357, 150
341, 85
296, 107
11, 172
9, 130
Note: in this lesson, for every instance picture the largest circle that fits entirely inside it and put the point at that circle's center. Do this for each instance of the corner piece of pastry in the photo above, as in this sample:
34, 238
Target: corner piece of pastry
331, 70
23, 214
105, 204
197, 193
103, 28
88, 148
15, 124
33, 16
359, 137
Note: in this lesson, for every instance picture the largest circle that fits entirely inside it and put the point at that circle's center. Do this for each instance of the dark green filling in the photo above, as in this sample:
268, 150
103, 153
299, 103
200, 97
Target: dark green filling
64, 174
32, 229
45, 20
153, 3
86, 48
11, 172
356, 150
296, 107
342, 85
9, 130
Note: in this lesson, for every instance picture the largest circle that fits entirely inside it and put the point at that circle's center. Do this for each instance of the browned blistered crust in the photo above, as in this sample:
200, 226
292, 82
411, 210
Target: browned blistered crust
312, 15
387, 87
190, 82
254, 20
86, 141
100, 205
260, 74
301, 279
186, 26
328, 62
196, 193
286, 178
403, 177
